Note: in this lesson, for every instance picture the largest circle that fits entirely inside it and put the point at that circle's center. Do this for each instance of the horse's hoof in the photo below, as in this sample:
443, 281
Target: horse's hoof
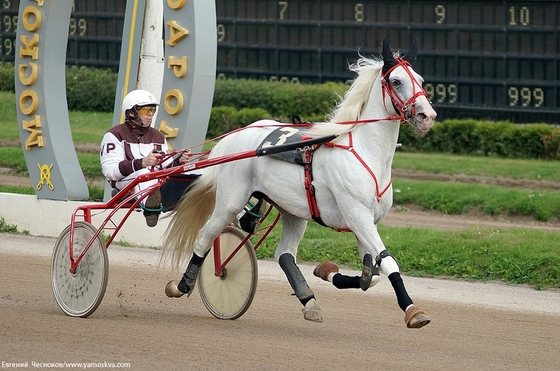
324, 269
374, 280
370, 273
172, 291
312, 312
415, 317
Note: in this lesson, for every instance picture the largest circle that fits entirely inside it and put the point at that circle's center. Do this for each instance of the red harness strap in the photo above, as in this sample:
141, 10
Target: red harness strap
308, 179
401, 107
309, 188
398, 103
378, 193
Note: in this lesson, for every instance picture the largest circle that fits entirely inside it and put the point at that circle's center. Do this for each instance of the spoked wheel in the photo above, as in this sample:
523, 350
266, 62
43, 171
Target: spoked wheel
79, 294
229, 296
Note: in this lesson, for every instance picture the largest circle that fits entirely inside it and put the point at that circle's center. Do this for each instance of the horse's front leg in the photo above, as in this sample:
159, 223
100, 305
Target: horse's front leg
293, 230
414, 316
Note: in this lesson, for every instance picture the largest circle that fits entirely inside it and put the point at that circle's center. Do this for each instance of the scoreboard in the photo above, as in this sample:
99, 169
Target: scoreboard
94, 34
497, 59
483, 59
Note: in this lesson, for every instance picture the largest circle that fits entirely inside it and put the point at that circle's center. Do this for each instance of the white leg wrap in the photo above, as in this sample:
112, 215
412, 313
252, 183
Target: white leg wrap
389, 265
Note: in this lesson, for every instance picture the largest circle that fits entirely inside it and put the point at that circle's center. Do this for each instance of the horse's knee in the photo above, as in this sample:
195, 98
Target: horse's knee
295, 277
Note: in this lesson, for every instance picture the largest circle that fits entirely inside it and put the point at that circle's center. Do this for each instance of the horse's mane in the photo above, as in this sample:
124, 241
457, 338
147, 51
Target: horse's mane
355, 99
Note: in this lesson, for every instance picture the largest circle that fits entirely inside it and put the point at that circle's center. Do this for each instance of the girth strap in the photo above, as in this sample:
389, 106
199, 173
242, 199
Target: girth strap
307, 156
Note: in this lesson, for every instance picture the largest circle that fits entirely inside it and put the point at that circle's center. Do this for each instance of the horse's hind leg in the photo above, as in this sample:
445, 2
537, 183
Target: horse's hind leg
292, 233
213, 227
175, 289
311, 310
328, 271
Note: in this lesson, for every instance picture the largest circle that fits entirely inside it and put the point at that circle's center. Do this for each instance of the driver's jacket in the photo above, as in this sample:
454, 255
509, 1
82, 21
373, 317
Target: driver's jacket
124, 146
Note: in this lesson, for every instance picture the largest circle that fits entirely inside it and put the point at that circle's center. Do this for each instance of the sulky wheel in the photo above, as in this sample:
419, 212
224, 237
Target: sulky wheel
79, 294
229, 296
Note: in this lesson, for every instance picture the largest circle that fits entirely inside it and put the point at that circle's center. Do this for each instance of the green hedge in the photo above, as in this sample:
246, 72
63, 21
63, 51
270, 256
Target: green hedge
239, 102
280, 99
89, 89
7, 77
226, 119
486, 138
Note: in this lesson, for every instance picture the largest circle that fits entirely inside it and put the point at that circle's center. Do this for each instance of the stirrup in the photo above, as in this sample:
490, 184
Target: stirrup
251, 220
158, 210
254, 209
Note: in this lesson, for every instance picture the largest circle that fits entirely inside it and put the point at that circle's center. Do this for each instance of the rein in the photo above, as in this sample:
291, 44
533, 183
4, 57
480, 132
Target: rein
369, 121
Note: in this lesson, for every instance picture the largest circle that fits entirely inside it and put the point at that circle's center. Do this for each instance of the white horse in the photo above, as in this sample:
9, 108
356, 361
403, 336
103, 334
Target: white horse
351, 179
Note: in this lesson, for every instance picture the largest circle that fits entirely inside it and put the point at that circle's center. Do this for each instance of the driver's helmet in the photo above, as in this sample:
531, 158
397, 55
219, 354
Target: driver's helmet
138, 98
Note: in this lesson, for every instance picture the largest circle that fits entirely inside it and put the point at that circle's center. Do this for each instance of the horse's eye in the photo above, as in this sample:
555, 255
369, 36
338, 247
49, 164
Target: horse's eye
396, 82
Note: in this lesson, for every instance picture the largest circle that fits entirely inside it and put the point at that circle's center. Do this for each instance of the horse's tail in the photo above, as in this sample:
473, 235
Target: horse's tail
188, 218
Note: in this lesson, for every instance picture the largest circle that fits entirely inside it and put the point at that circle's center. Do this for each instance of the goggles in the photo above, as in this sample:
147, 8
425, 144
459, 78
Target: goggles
146, 109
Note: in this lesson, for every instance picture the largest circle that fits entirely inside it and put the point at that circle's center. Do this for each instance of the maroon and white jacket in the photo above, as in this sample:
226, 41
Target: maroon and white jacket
124, 146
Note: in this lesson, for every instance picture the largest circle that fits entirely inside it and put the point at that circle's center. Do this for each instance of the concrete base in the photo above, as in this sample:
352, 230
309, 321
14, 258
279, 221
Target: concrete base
48, 218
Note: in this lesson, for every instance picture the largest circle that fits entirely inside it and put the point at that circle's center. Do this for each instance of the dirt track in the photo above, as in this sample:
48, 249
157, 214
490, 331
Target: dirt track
475, 326
472, 327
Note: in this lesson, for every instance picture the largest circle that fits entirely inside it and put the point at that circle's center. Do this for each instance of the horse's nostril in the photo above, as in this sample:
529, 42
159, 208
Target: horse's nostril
421, 116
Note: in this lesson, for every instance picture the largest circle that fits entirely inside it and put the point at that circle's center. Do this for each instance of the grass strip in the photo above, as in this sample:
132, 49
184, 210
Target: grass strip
515, 256
460, 198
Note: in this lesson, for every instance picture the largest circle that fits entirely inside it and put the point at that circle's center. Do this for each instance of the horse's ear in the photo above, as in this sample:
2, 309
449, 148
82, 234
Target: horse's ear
389, 60
410, 55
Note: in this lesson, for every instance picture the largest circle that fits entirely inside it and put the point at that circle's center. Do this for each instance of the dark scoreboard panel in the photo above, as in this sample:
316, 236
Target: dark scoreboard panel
496, 59
94, 34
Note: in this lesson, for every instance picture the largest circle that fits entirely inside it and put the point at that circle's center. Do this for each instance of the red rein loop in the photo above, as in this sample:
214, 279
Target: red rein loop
417, 90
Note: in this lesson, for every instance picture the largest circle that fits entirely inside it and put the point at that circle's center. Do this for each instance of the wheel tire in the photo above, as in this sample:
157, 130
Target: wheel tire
79, 294
230, 296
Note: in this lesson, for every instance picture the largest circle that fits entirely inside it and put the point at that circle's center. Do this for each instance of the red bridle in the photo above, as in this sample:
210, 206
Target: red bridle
400, 105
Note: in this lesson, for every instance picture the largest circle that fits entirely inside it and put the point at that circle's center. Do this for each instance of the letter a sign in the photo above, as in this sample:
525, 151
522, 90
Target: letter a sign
45, 132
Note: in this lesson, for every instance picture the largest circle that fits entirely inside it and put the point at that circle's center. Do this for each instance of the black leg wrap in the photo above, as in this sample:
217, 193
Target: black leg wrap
191, 273
402, 296
295, 278
341, 281
197, 260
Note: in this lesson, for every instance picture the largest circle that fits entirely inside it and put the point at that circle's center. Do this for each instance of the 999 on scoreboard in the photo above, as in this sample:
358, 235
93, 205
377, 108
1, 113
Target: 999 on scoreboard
490, 59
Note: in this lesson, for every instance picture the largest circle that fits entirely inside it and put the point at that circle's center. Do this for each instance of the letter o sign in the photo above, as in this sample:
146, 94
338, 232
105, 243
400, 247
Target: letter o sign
173, 101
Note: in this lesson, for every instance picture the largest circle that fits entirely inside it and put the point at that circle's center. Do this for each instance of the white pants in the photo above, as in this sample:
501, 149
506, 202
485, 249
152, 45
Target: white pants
120, 184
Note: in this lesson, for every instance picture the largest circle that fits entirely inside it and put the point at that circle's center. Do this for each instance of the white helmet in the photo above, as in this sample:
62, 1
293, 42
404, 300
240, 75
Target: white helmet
138, 98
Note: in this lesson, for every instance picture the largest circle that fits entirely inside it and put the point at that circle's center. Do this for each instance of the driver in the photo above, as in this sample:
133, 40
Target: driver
127, 150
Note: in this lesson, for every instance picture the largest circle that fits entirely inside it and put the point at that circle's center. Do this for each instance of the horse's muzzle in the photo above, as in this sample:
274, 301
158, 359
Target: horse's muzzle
423, 118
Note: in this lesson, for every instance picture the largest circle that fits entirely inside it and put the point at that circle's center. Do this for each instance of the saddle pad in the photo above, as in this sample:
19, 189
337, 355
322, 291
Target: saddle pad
285, 135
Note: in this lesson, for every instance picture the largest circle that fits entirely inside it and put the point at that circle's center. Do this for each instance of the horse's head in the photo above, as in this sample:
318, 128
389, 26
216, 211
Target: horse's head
404, 87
